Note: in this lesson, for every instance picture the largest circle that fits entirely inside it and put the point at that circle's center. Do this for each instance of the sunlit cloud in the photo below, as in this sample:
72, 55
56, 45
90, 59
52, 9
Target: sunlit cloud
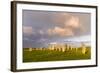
27, 30
68, 25
66, 19
73, 22
61, 31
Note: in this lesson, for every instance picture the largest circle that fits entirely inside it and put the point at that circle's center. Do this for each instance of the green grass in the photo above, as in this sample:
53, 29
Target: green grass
48, 55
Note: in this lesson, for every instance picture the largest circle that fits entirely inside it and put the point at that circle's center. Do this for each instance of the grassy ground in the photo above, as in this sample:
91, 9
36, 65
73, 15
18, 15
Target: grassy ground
47, 55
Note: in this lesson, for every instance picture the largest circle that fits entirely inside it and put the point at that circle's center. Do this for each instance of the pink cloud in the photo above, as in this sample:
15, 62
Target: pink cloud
28, 30
61, 31
67, 20
60, 18
73, 22
67, 25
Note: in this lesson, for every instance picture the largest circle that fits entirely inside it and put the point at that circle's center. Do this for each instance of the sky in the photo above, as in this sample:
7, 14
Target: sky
41, 28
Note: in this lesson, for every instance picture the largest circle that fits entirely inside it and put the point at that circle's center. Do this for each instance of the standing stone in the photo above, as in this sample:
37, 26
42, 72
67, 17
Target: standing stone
30, 49
83, 49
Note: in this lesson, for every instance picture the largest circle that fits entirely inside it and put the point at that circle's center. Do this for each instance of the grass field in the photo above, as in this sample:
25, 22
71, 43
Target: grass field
49, 55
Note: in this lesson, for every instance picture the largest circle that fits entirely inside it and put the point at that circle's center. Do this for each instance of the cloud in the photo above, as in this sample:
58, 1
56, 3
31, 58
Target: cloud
41, 32
69, 23
42, 40
28, 39
67, 27
60, 18
73, 22
58, 24
27, 30
67, 20
60, 31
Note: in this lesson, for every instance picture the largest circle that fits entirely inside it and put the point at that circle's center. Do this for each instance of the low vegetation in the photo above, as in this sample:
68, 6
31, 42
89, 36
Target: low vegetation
52, 55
